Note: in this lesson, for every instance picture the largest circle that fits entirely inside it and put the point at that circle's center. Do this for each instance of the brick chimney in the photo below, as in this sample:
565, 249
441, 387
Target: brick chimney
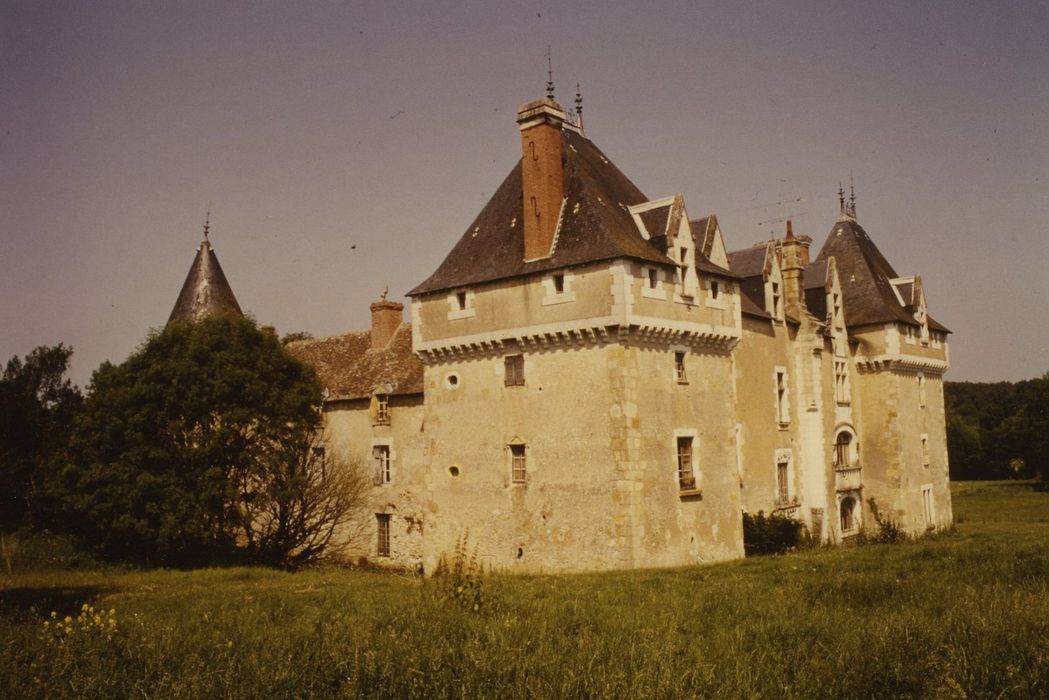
794, 253
542, 174
386, 318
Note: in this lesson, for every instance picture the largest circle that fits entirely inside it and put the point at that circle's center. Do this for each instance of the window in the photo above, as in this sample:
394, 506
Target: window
777, 302
921, 390
714, 289
653, 277
925, 449
783, 480
382, 409
514, 366
460, 300
842, 450
381, 464
679, 368
686, 476
782, 408
848, 520
518, 464
559, 283
684, 270
841, 381
383, 545
930, 521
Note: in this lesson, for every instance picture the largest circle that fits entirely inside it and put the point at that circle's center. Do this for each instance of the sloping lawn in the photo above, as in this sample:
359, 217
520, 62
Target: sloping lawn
959, 614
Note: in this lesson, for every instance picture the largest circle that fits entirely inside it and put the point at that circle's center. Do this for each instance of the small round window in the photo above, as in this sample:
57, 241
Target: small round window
453, 470
452, 380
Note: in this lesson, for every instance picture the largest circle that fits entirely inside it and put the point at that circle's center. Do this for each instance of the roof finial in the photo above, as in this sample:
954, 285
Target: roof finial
385, 291
841, 199
579, 106
549, 74
207, 222
790, 231
852, 197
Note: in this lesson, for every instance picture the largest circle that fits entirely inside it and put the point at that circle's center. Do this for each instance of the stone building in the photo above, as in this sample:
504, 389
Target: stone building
590, 380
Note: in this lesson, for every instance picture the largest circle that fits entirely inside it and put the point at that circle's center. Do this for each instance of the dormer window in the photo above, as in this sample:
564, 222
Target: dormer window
777, 301
653, 278
382, 409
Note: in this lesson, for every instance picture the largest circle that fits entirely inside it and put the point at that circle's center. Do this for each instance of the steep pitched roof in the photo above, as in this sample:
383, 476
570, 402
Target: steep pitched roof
206, 292
749, 264
866, 275
595, 225
350, 368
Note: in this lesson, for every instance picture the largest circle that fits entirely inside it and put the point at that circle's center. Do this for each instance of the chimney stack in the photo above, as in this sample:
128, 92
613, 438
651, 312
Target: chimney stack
386, 318
794, 256
542, 174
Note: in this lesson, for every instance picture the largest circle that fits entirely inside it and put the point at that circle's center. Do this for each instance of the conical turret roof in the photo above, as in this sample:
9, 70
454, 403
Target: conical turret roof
206, 292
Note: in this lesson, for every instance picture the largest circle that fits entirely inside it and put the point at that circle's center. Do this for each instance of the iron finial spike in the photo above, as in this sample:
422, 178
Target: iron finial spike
579, 105
207, 223
549, 74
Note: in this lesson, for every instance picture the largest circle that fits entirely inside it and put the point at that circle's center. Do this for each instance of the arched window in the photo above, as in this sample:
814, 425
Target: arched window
848, 504
842, 450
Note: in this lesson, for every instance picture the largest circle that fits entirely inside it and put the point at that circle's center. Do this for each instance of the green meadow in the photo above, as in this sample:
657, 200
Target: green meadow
959, 614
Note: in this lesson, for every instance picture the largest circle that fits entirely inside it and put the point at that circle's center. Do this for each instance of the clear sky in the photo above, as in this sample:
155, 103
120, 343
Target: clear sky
346, 146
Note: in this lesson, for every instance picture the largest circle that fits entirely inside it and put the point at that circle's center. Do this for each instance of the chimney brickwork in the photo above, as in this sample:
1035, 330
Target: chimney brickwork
386, 318
794, 253
542, 174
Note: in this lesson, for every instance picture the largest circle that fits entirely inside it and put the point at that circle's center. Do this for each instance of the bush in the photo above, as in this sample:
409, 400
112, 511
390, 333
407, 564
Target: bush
462, 581
888, 530
772, 534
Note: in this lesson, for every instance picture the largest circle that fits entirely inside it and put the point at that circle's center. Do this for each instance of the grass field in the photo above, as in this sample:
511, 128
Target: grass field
959, 614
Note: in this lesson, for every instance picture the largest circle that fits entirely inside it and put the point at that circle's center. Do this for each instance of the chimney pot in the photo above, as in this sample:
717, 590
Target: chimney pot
386, 318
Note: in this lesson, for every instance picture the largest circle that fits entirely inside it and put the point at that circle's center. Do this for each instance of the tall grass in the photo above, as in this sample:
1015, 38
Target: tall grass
959, 614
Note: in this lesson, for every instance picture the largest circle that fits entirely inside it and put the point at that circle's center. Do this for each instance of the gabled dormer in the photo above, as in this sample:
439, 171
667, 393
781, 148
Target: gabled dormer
773, 277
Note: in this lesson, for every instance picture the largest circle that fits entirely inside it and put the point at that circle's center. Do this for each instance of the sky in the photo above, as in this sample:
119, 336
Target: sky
343, 147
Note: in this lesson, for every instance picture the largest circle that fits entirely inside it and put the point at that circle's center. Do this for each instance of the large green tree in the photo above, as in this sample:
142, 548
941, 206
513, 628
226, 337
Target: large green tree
37, 406
181, 451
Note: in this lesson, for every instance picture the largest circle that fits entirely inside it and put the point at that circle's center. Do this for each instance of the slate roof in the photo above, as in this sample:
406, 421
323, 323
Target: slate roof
596, 225
749, 264
865, 278
350, 368
206, 292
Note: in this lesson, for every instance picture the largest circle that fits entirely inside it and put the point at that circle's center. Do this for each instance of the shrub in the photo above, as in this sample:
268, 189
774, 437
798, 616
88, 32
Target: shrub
463, 580
772, 534
887, 529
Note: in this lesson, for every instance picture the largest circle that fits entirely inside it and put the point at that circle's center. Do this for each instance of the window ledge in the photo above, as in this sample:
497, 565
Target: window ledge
783, 425
691, 494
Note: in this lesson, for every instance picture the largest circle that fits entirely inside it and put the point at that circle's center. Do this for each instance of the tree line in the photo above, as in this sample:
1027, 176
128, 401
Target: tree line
200, 449
998, 430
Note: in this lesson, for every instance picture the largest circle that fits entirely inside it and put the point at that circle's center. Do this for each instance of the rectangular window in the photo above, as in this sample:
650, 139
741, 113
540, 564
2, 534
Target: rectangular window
686, 476
714, 289
381, 464
921, 390
382, 409
514, 366
783, 481
777, 304
559, 284
927, 506
782, 411
841, 381
653, 277
518, 465
460, 299
925, 450
383, 522
679, 368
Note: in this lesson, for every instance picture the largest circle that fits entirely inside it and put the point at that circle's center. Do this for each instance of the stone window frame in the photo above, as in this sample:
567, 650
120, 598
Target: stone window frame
855, 514
688, 480
380, 405
517, 453
383, 523
926, 458
784, 477
382, 469
922, 390
842, 389
647, 274
549, 283
717, 292
781, 396
928, 506
514, 369
680, 364
461, 304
